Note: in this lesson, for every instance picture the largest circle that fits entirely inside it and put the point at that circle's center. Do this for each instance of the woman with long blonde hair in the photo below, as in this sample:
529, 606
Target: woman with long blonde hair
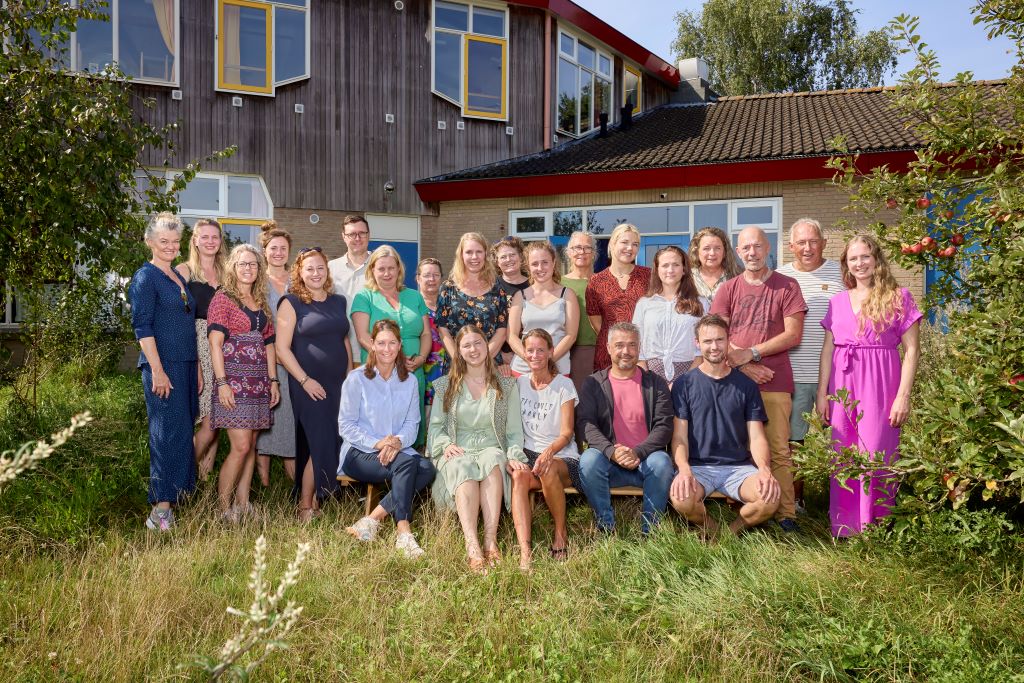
473, 296
475, 440
241, 332
612, 294
204, 271
864, 328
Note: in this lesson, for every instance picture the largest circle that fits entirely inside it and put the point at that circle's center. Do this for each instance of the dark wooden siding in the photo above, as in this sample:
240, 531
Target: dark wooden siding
366, 60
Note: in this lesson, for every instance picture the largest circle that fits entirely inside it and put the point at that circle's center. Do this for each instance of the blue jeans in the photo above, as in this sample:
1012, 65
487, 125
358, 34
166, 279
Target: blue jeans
599, 475
407, 474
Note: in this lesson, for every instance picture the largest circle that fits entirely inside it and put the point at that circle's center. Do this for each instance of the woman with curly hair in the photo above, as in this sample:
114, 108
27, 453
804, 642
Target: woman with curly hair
314, 346
241, 331
713, 261
864, 328
475, 438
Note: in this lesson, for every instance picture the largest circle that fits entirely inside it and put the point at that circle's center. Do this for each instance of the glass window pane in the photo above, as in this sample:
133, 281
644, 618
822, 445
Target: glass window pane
649, 219
754, 215
238, 234
679, 219
246, 197
773, 241
202, 196
145, 33
297, 3
448, 64
567, 222
604, 65
602, 100
451, 15
485, 86
289, 44
245, 46
567, 91
630, 88
527, 224
586, 93
567, 44
489, 22
586, 56
95, 43
711, 216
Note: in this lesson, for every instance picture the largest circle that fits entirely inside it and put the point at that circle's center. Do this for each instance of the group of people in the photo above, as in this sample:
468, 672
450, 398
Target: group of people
506, 378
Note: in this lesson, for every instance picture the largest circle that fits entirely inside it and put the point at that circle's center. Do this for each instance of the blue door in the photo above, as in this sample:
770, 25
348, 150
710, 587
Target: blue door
409, 252
649, 246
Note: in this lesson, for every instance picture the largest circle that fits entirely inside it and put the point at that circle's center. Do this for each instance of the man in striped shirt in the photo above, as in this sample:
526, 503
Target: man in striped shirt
819, 279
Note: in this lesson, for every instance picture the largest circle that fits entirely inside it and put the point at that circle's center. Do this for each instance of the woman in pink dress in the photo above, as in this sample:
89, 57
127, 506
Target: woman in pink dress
864, 328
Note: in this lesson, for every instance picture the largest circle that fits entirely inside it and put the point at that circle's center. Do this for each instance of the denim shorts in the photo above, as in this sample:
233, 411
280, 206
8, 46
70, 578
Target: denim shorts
724, 478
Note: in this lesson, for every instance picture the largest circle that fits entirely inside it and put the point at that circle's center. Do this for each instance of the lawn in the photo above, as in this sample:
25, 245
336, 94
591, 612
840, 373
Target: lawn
87, 594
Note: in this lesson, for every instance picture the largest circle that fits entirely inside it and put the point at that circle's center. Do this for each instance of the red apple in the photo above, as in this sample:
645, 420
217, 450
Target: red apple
923, 203
947, 252
916, 248
957, 239
949, 214
1017, 379
891, 203
928, 242
906, 249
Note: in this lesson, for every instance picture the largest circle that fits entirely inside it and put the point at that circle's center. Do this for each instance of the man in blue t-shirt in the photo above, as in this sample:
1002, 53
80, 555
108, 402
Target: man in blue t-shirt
719, 441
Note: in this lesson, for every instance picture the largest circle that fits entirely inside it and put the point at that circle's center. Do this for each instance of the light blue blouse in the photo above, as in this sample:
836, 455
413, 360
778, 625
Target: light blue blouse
372, 409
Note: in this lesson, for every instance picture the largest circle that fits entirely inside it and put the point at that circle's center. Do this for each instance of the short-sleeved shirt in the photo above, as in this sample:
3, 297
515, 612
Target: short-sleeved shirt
614, 304
717, 412
629, 422
756, 314
456, 309
542, 413
817, 287
409, 316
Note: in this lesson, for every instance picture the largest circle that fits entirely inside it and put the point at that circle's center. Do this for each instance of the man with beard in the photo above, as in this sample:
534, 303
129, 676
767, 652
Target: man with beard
719, 441
765, 312
625, 417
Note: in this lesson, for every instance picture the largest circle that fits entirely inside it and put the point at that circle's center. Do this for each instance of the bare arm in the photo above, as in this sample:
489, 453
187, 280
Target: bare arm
572, 324
275, 390
161, 382
684, 484
595, 322
361, 323
494, 345
824, 372
780, 343
424, 351
515, 326
767, 484
911, 356
225, 394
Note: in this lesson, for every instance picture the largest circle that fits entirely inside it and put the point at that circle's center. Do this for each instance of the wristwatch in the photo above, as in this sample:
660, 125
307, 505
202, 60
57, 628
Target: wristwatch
755, 354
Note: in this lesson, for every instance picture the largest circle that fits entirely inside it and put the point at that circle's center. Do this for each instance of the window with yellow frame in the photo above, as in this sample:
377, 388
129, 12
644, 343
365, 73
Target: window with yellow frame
261, 44
632, 88
470, 57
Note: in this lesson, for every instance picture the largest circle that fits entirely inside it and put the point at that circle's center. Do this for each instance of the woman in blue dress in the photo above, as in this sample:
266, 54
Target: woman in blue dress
164, 321
313, 345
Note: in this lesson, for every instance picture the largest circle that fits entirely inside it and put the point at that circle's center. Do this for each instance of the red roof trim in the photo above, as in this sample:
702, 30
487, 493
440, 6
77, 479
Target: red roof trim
734, 173
608, 34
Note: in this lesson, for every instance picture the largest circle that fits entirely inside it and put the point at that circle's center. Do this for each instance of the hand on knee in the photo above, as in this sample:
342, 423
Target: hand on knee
522, 479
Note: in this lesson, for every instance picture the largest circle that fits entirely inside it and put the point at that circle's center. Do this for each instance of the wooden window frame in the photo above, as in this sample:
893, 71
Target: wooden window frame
465, 37
269, 10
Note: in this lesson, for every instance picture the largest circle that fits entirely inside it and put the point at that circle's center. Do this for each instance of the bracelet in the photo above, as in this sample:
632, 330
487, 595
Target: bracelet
220, 382
302, 382
275, 381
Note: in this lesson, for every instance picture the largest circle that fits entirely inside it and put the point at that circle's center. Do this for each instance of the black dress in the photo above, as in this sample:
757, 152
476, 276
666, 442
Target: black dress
318, 344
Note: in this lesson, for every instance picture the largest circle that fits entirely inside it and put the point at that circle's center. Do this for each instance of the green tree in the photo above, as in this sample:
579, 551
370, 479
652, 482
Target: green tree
71, 204
762, 46
958, 209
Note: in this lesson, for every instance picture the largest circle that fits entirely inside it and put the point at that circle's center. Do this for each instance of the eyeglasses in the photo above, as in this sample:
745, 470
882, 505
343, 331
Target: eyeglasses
184, 300
308, 249
361, 234
581, 250
247, 265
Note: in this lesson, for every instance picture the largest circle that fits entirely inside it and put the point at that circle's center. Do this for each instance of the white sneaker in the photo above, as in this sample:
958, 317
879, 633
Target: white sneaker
407, 544
364, 530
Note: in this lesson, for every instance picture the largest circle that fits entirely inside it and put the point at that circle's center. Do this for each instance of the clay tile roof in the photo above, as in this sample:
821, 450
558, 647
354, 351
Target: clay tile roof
729, 130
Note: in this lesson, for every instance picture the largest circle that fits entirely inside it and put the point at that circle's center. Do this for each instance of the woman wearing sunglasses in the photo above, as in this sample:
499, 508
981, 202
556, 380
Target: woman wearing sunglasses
241, 331
163, 318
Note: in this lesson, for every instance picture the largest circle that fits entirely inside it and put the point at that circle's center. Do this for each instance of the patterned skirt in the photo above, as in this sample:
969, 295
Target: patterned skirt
245, 366
657, 366
203, 348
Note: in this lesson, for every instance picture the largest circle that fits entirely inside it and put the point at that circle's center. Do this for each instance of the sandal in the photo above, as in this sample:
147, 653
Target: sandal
559, 554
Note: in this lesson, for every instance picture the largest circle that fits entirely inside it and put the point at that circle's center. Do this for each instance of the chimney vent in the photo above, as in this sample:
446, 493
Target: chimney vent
626, 117
603, 116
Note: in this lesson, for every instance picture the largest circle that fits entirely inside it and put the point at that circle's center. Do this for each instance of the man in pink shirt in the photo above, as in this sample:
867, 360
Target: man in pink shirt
625, 417
765, 311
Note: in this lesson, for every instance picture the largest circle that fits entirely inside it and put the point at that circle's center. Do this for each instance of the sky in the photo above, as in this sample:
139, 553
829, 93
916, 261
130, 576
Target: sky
946, 25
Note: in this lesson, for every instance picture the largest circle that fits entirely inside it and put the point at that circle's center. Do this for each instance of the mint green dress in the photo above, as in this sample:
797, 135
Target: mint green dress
474, 424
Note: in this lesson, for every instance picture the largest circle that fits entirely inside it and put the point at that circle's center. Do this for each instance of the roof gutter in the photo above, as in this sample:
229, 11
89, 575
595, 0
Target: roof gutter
697, 175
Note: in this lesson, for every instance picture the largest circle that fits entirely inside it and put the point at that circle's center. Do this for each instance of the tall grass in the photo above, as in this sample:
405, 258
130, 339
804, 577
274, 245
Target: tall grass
124, 604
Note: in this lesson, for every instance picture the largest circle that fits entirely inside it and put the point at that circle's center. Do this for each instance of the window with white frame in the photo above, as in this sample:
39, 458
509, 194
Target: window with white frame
261, 44
470, 57
240, 203
140, 36
659, 224
584, 85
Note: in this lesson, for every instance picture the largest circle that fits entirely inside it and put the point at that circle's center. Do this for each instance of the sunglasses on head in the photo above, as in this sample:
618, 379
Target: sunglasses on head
316, 249
184, 300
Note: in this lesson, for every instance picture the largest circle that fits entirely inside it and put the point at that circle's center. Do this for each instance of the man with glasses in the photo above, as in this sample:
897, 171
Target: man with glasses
349, 271
820, 279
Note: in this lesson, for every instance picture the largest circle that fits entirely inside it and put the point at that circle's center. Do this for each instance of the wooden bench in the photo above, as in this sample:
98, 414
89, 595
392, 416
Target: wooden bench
373, 491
